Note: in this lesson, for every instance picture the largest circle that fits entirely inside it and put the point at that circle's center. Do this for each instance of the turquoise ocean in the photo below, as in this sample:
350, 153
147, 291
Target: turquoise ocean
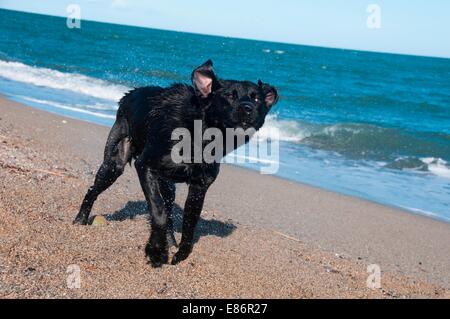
370, 125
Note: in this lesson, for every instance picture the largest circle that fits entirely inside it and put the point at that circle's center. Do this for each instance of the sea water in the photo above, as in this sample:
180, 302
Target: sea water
371, 125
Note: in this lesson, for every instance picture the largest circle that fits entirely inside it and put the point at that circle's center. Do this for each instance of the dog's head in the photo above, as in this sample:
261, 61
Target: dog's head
233, 104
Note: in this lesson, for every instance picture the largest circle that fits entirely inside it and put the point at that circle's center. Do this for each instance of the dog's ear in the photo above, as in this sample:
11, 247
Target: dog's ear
270, 93
204, 79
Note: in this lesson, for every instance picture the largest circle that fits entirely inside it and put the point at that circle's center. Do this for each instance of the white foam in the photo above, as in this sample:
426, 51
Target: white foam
275, 51
65, 107
289, 131
295, 131
73, 82
437, 166
426, 213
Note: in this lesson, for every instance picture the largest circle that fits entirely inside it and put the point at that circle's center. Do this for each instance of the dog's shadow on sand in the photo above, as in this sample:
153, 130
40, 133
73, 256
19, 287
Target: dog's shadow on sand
205, 227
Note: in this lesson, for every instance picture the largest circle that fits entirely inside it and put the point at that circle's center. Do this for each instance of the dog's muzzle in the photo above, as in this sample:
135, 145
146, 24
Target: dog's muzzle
247, 107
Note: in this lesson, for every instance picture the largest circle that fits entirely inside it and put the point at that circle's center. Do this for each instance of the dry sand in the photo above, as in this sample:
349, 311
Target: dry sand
294, 242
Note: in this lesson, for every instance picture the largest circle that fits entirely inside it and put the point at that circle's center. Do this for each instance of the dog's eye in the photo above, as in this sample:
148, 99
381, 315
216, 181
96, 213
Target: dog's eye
229, 96
232, 95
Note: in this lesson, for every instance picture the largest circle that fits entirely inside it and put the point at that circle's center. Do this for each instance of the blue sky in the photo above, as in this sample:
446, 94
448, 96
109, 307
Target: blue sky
419, 27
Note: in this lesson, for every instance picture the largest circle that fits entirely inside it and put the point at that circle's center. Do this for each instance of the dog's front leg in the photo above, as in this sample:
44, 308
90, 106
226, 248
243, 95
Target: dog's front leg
192, 210
157, 248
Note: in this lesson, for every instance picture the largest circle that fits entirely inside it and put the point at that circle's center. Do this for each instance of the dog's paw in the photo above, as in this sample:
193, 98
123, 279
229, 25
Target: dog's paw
80, 220
182, 254
156, 256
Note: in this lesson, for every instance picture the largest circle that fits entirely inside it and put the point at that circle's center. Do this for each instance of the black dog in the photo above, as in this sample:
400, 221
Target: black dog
143, 130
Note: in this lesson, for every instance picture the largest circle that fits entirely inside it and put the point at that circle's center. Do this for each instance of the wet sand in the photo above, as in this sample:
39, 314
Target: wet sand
259, 237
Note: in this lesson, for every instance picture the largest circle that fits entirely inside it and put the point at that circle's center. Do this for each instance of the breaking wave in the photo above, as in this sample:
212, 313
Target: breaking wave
364, 141
54, 79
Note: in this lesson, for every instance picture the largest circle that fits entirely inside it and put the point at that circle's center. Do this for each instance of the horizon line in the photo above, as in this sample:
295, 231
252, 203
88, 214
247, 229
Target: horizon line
234, 37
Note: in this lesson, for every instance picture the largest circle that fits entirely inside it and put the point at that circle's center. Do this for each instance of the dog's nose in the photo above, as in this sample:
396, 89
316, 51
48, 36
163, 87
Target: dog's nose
248, 107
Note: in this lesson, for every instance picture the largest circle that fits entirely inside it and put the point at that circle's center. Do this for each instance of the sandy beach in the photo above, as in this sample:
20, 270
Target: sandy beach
288, 241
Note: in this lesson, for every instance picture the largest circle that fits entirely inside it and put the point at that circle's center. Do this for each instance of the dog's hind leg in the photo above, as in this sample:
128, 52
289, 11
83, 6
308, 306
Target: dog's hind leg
167, 190
117, 155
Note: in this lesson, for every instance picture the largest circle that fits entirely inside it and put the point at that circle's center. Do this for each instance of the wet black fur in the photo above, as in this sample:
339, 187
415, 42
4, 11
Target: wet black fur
144, 124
